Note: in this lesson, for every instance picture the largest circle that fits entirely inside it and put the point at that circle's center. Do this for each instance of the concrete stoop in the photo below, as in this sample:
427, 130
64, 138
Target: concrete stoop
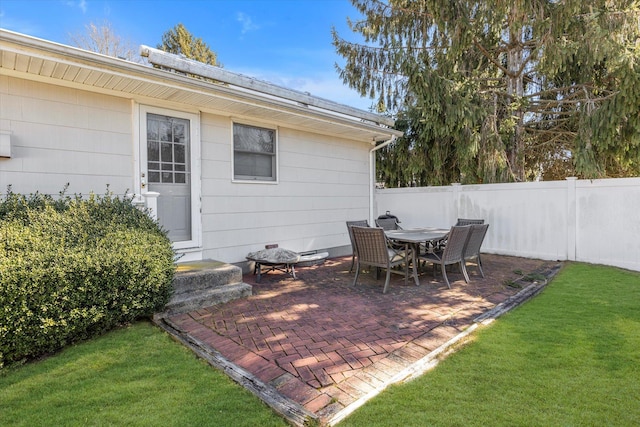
204, 284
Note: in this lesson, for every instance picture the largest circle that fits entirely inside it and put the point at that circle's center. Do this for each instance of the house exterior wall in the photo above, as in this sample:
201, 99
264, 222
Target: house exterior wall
322, 182
61, 135
64, 135
593, 221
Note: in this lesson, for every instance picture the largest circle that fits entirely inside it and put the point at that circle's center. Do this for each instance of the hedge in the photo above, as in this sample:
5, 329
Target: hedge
72, 268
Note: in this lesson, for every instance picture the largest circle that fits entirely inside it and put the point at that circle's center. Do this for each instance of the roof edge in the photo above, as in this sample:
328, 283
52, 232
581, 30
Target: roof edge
189, 66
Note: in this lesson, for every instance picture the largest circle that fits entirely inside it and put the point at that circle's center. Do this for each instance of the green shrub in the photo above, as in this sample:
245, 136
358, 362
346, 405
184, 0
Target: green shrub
73, 268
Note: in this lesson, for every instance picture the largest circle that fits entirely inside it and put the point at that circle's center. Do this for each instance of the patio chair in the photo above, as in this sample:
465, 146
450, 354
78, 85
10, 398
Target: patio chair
361, 223
472, 250
467, 221
373, 249
388, 223
453, 252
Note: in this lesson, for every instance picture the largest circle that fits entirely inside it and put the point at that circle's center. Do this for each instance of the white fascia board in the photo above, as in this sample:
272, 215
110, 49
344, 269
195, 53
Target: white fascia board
184, 65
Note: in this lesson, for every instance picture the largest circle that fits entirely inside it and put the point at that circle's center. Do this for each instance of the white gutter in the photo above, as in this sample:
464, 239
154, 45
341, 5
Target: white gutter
189, 66
136, 76
372, 176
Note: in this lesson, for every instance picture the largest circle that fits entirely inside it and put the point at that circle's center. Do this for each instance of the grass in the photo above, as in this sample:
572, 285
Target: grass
569, 357
134, 376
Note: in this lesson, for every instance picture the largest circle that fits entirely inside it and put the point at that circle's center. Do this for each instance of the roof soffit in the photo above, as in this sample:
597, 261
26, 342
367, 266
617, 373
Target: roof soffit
36, 59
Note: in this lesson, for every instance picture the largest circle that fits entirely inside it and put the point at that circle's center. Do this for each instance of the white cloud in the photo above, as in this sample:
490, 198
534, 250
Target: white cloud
327, 86
82, 5
247, 23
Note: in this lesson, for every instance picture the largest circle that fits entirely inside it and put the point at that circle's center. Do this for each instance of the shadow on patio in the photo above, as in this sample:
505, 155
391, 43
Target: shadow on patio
316, 348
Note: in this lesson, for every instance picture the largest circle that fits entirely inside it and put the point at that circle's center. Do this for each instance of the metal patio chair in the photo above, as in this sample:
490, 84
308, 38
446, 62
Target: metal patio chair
468, 221
373, 249
350, 224
472, 250
453, 252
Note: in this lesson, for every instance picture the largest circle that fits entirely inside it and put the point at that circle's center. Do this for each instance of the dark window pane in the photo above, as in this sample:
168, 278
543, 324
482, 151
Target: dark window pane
153, 151
165, 131
179, 131
153, 166
178, 153
154, 176
263, 166
181, 178
167, 177
167, 167
166, 152
254, 139
179, 167
152, 129
248, 165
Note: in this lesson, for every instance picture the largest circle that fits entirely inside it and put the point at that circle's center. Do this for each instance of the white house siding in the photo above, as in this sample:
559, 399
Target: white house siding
594, 221
61, 135
322, 182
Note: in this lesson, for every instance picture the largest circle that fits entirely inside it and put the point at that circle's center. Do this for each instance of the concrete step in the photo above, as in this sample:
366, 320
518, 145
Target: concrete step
202, 275
204, 284
186, 302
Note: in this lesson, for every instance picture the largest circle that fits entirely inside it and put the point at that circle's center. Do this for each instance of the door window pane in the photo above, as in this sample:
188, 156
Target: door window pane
167, 177
167, 149
178, 153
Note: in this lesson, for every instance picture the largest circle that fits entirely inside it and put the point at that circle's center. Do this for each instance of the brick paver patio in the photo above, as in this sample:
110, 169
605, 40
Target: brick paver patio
322, 346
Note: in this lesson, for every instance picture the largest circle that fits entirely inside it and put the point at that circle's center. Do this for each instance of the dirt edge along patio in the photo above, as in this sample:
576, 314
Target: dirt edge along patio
316, 348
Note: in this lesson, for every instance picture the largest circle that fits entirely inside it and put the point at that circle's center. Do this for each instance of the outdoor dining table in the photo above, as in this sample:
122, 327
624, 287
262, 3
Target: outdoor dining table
414, 237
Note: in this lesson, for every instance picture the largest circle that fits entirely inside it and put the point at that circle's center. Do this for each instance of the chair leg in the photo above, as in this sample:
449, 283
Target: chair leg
355, 279
386, 282
353, 261
463, 267
444, 274
480, 266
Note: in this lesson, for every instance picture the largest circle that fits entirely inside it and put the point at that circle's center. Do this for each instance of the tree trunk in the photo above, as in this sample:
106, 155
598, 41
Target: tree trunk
515, 90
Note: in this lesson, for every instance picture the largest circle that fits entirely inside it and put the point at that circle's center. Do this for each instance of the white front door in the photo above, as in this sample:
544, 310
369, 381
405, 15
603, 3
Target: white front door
167, 167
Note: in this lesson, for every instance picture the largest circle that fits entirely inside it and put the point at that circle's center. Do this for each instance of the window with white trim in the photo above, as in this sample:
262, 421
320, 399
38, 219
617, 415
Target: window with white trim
254, 153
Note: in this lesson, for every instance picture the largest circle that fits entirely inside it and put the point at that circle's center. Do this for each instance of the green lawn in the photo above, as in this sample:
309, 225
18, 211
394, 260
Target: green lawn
135, 376
569, 357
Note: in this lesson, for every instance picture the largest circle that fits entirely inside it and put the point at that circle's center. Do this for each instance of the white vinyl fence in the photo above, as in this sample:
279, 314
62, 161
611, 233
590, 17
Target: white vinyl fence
594, 221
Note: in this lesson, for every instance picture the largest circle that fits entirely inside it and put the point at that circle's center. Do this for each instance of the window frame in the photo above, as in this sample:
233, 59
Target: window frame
275, 156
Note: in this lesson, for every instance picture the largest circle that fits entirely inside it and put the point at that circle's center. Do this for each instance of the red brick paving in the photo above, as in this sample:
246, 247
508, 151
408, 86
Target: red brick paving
325, 344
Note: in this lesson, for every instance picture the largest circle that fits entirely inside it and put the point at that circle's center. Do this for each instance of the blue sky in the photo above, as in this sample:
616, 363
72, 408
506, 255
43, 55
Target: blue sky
286, 42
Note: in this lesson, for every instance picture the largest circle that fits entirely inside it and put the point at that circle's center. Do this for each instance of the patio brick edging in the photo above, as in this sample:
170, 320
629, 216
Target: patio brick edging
290, 410
431, 360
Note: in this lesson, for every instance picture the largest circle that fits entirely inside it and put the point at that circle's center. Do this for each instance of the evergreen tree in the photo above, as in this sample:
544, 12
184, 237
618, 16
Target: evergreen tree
496, 90
180, 41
